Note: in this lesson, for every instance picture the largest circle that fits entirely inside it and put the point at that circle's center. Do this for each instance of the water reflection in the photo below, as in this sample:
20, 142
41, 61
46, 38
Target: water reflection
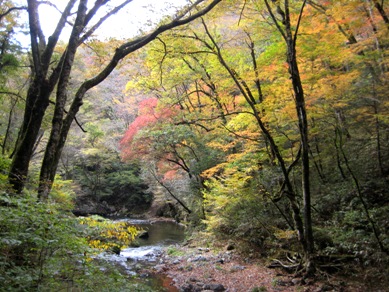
160, 233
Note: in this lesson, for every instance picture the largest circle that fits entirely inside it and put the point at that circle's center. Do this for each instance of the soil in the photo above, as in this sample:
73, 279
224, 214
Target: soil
190, 268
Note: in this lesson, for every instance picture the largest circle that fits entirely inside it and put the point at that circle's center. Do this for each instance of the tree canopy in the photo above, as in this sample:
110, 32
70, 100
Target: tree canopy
285, 93
264, 122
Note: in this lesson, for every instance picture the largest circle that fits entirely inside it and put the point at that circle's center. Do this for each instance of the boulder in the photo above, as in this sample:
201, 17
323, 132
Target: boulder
144, 234
230, 246
214, 287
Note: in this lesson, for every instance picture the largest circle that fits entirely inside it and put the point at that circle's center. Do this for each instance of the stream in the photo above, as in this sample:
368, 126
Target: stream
134, 260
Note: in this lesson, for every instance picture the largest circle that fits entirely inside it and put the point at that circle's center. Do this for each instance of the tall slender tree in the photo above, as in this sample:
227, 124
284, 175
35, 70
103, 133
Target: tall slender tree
289, 33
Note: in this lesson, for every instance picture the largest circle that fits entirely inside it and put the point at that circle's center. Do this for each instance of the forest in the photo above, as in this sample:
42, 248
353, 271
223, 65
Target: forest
261, 125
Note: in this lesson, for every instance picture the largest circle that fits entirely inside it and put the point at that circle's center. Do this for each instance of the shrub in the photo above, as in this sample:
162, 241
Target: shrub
44, 247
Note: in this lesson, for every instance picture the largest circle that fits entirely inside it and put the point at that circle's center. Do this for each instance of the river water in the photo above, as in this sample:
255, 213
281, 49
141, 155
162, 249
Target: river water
134, 260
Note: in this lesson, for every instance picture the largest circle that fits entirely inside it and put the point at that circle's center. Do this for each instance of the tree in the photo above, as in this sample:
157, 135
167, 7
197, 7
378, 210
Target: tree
258, 89
212, 71
44, 81
11, 87
290, 34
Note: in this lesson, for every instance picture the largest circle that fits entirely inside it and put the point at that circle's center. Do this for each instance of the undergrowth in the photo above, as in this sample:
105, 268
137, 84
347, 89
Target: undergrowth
44, 247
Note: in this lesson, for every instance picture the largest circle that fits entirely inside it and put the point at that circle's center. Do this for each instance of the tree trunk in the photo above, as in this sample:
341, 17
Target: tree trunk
303, 129
36, 104
52, 155
290, 38
382, 12
38, 94
8, 128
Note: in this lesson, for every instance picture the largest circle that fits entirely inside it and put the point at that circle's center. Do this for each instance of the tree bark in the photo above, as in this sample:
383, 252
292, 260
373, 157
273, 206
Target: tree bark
379, 6
8, 128
37, 102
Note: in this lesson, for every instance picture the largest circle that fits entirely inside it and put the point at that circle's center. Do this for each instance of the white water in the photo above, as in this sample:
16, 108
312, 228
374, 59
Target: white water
146, 253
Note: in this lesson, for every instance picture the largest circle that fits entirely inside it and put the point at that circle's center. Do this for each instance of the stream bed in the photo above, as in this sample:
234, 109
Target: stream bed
136, 260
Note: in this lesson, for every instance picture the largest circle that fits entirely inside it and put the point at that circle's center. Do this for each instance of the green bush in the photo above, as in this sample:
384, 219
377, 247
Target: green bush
44, 247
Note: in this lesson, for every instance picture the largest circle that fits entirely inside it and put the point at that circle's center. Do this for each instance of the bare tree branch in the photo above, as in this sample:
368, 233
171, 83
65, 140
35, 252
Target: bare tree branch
10, 10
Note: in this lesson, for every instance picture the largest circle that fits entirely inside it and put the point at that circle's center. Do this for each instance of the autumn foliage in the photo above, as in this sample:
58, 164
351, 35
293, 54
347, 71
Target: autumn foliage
237, 129
149, 117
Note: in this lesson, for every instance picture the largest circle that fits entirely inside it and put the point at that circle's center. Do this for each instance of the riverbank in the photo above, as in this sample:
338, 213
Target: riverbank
190, 268
168, 262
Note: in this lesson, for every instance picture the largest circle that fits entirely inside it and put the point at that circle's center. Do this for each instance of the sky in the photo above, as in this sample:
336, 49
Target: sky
138, 15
